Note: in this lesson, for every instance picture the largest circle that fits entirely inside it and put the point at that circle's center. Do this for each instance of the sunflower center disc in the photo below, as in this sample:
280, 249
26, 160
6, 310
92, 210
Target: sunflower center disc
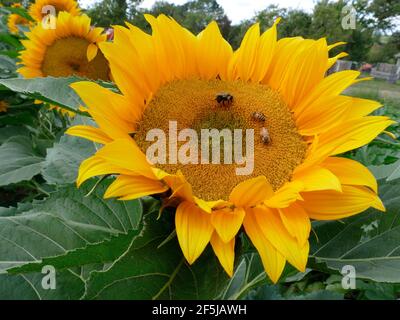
66, 57
192, 104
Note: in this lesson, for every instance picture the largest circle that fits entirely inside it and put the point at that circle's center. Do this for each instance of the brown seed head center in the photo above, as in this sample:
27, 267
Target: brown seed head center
67, 56
191, 103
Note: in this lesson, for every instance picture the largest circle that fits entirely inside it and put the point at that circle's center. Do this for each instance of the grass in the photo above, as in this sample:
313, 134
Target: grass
377, 89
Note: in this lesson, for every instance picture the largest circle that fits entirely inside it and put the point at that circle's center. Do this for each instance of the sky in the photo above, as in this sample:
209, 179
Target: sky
237, 10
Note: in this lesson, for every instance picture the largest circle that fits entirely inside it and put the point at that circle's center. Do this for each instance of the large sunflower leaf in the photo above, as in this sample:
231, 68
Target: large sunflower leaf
370, 242
66, 221
148, 271
19, 162
69, 286
52, 90
389, 171
63, 159
56, 91
98, 253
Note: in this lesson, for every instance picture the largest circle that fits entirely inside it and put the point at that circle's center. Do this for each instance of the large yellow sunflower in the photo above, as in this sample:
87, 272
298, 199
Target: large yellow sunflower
15, 20
175, 75
38, 10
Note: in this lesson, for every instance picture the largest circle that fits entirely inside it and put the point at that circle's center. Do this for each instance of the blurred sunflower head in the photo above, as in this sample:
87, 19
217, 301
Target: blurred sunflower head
3, 106
69, 49
14, 20
175, 75
40, 8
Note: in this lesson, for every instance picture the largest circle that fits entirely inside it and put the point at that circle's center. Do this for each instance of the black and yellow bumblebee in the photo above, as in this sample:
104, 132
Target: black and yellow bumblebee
224, 99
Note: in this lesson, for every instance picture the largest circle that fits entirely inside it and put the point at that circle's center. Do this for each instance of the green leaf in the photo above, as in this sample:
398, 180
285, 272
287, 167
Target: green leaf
9, 39
368, 241
249, 273
389, 171
7, 63
16, 118
19, 162
52, 90
63, 159
66, 221
102, 252
21, 12
69, 286
8, 132
145, 271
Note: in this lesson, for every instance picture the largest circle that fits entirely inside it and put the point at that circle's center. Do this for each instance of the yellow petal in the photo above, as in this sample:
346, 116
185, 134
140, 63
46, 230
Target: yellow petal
332, 61
265, 52
361, 107
227, 222
273, 261
126, 154
272, 227
207, 206
95, 166
330, 86
351, 172
296, 222
193, 229
91, 51
323, 114
180, 187
352, 134
284, 196
213, 53
134, 187
251, 192
90, 133
103, 106
225, 252
332, 205
303, 68
317, 178
247, 53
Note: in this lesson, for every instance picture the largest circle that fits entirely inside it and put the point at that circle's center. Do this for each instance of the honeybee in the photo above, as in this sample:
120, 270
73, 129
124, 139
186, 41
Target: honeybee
265, 137
259, 116
224, 99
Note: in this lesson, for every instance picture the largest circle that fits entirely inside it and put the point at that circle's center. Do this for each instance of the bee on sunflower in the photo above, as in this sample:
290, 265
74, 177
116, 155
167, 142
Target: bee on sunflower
298, 176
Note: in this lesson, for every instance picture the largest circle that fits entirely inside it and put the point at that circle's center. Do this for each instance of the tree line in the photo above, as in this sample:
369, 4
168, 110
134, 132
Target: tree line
376, 37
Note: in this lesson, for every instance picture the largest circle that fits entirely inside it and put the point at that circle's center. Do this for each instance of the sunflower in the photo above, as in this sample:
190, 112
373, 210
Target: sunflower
14, 20
298, 176
69, 49
38, 9
3, 106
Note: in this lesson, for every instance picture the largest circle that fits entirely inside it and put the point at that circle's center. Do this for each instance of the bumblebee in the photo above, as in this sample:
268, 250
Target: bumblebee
224, 99
259, 116
265, 137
